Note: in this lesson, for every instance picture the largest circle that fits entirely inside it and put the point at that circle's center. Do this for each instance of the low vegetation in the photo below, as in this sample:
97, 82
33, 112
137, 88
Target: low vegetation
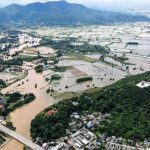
17, 61
120, 59
2, 139
81, 57
27, 58
132, 43
2, 84
65, 95
9, 125
60, 69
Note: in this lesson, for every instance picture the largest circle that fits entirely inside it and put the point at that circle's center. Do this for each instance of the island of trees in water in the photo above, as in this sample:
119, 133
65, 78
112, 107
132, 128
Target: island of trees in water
11, 101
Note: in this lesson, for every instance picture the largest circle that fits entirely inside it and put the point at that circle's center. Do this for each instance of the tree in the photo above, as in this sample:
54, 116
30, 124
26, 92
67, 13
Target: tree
39, 69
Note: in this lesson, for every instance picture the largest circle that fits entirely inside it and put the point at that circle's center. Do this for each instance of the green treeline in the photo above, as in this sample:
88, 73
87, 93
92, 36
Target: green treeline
2, 84
66, 46
39, 69
16, 100
83, 79
17, 61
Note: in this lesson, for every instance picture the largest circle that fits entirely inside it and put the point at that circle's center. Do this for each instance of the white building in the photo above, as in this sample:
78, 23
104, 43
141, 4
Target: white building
143, 84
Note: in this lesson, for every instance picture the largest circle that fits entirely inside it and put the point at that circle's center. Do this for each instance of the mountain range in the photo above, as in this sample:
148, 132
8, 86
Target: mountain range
62, 13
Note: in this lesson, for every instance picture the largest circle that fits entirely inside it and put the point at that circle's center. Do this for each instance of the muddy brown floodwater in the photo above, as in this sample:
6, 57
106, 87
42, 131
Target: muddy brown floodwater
23, 116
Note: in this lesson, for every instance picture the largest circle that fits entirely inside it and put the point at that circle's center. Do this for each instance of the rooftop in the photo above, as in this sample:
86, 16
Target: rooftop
143, 84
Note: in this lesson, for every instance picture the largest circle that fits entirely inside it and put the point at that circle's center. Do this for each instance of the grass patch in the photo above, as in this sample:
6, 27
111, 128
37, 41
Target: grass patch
66, 95
81, 57
60, 69
29, 49
27, 58
24, 56
92, 90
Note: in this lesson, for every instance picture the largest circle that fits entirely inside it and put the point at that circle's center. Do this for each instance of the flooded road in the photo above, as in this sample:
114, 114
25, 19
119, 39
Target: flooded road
23, 116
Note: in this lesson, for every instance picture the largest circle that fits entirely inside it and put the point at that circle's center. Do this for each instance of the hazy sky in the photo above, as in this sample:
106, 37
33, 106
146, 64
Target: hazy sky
92, 3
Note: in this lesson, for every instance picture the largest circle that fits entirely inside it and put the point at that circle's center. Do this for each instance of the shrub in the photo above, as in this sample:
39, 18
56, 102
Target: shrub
83, 79
39, 69
2, 83
47, 79
55, 77
48, 91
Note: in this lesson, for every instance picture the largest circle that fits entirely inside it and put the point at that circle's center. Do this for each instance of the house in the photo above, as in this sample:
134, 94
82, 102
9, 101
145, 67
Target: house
45, 146
50, 113
143, 84
90, 125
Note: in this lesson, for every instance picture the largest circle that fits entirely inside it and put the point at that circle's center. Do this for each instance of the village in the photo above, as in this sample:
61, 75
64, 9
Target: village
81, 136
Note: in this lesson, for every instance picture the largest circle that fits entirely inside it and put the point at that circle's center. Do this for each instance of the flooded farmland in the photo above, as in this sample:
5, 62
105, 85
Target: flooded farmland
103, 73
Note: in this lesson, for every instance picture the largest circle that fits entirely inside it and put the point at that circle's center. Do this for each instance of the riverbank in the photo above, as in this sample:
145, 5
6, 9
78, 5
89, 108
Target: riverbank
23, 116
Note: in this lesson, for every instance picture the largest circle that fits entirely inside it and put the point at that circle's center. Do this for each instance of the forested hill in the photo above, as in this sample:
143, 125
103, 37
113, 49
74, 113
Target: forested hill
128, 105
62, 13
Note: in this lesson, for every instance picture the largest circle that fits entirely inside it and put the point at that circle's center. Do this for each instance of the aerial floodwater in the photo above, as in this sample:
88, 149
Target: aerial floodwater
23, 116
69, 80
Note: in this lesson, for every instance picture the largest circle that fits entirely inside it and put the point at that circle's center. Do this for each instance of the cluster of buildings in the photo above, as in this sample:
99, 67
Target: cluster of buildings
114, 146
118, 143
83, 138
80, 136
15, 41
25, 38
24, 41
114, 143
4, 46
78, 141
87, 120
7, 40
